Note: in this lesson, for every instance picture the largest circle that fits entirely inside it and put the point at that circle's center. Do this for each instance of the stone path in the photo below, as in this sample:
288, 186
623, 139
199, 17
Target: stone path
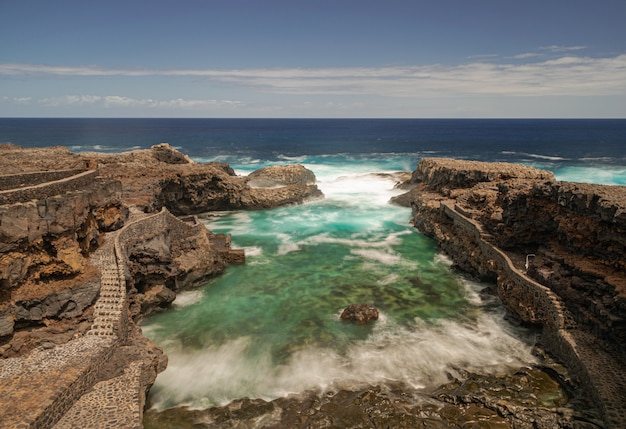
606, 374
601, 371
61, 387
111, 403
39, 388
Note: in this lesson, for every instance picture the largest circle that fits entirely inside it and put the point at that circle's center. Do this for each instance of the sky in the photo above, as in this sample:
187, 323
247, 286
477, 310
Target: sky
314, 58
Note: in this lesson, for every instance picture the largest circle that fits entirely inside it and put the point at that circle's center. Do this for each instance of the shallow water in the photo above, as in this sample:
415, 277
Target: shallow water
271, 327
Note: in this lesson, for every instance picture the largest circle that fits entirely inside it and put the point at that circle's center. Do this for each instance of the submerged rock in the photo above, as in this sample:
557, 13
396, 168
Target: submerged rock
360, 313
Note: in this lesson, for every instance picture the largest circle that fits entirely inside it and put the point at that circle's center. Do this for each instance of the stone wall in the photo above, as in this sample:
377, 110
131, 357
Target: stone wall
44, 190
15, 181
152, 226
70, 370
599, 372
93, 357
546, 306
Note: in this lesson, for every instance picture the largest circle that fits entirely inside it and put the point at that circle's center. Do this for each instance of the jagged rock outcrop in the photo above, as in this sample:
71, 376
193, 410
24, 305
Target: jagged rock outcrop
169, 258
576, 232
165, 153
45, 242
164, 177
52, 220
555, 249
446, 174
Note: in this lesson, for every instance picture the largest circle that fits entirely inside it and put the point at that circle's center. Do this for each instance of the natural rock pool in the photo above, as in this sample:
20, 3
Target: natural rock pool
271, 327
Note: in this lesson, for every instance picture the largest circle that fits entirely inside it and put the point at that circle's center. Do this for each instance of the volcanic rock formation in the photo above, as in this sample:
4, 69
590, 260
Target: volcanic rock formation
360, 313
76, 265
164, 177
556, 250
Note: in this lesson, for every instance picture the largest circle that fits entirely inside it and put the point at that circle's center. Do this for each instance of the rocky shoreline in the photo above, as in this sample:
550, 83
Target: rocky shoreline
555, 251
490, 218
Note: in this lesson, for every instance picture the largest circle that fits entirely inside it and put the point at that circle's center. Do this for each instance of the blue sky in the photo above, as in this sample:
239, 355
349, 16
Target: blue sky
339, 58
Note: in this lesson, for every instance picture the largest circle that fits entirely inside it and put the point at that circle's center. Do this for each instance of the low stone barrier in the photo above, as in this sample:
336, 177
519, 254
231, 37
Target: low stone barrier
15, 181
599, 372
59, 377
44, 190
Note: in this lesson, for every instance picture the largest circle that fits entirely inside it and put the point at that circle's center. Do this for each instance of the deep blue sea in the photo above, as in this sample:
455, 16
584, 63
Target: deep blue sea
589, 150
271, 327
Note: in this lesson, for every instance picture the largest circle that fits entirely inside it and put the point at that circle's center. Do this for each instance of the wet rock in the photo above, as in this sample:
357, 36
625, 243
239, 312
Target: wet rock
275, 176
527, 399
360, 313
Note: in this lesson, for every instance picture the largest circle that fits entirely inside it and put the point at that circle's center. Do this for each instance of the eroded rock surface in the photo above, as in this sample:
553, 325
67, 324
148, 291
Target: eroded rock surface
528, 399
576, 233
277, 176
47, 234
555, 249
164, 177
360, 313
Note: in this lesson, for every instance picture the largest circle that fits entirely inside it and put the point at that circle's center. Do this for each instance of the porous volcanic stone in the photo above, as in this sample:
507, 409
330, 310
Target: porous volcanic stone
360, 313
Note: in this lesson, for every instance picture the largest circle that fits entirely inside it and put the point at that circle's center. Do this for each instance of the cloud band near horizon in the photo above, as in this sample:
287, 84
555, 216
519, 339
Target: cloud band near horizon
567, 75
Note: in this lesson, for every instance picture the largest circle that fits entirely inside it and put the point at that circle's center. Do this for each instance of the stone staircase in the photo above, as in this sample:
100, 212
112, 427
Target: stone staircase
110, 309
600, 370
60, 387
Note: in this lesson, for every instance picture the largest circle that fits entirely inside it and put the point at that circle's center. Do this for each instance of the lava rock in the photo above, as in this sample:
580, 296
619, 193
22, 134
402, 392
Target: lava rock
360, 313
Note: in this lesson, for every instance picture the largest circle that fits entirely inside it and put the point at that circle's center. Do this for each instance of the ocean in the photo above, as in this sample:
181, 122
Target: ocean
271, 327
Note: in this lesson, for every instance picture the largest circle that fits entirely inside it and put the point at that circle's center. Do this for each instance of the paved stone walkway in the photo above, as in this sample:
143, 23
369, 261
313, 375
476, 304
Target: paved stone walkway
112, 403
60, 387
38, 388
601, 370
116, 402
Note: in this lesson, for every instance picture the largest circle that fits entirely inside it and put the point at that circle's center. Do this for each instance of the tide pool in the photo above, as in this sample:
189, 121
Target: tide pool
271, 327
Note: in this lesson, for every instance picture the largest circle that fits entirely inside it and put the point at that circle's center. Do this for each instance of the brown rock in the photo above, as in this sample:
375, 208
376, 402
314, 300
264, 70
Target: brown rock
360, 313
152, 182
277, 176
445, 173
165, 153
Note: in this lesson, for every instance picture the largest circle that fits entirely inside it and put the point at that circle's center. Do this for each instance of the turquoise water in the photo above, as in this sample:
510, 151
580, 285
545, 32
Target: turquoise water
271, 327
600, 174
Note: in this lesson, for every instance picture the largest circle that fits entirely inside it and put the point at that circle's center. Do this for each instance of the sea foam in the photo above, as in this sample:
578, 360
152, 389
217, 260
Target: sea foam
423, 355
270, 327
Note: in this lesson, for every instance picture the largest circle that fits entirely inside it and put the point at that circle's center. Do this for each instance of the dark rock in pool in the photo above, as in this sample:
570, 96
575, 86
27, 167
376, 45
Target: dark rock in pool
360, 313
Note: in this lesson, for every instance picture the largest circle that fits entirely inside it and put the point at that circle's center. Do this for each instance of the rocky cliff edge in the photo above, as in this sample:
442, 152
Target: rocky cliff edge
556, 251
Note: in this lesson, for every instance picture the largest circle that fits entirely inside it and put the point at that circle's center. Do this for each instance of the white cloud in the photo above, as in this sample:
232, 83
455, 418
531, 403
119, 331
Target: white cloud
568, 75
560, 48
563, 76
115, 101
483, 56
179, 103
526, 55
18, 100
69, 100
